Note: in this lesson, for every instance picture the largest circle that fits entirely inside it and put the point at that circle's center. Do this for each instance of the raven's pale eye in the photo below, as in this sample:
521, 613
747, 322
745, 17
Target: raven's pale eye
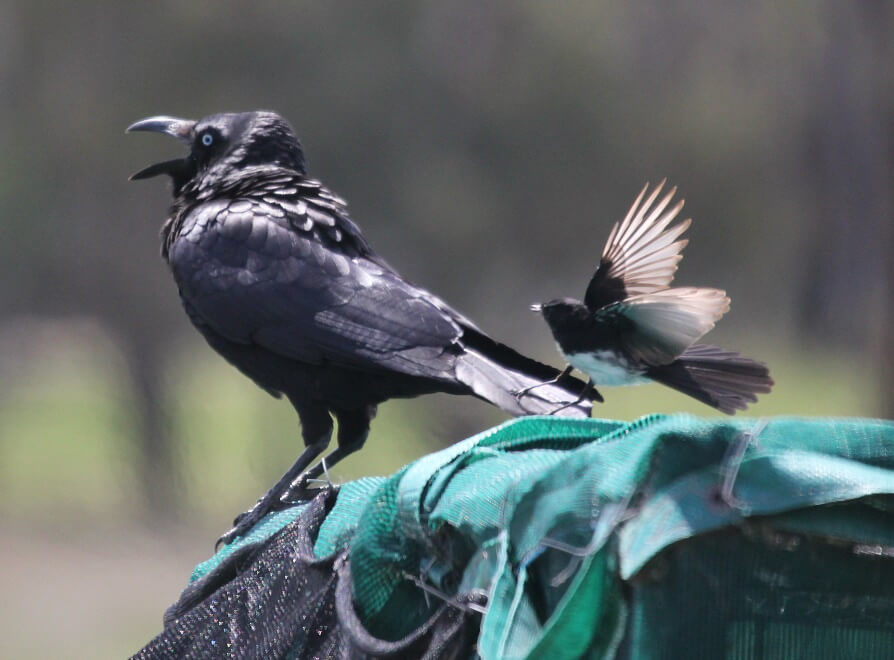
207, 139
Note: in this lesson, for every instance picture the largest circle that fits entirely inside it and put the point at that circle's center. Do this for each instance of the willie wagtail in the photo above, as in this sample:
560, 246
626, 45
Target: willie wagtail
631, 328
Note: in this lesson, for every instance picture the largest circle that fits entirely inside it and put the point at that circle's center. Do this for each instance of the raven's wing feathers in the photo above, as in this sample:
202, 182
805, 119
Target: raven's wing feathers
288, 277
297, 278
641, 253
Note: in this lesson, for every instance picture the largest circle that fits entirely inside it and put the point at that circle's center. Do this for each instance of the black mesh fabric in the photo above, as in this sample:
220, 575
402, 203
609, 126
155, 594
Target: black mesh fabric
275, 599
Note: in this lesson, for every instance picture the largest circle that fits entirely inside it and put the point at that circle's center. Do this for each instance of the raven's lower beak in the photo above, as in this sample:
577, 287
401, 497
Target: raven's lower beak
182, 129
537, 307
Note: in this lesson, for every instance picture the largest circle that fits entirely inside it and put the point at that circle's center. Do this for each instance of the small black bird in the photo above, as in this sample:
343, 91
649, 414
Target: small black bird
281, 282
631, 328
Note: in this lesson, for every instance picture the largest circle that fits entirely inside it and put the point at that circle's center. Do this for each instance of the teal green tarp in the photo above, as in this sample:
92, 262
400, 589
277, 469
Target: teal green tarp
730, 538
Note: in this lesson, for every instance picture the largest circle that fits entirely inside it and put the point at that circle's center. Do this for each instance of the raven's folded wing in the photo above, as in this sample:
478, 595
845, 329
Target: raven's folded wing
298, 285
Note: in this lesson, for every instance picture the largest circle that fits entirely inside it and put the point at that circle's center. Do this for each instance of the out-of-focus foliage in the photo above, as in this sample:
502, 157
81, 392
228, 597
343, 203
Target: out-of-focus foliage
485, 149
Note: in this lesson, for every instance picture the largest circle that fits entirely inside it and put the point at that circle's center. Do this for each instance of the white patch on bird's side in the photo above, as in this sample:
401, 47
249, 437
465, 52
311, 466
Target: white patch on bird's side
606, 368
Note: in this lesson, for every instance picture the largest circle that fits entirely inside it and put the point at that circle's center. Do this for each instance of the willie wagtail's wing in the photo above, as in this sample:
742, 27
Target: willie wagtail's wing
656, 328
641, 253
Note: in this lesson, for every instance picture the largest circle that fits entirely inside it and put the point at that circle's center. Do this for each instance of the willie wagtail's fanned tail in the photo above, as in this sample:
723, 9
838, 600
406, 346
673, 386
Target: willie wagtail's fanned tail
722, 379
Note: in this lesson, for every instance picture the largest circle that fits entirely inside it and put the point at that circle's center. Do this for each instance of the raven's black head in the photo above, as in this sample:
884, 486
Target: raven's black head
224, 147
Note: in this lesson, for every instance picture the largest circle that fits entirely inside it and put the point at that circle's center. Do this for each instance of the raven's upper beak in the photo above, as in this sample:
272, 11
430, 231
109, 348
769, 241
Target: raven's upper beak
537, 307
182, 129
178, 128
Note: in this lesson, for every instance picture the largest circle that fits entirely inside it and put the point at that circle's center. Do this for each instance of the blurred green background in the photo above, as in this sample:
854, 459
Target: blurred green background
486, 149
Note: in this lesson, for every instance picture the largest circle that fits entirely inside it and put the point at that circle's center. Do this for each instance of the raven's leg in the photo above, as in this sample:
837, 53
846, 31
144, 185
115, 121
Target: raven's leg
316, 429
583, 394
353, 429
552, 381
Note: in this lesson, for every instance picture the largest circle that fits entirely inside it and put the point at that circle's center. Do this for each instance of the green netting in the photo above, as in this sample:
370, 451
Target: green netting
756, 593
666, 537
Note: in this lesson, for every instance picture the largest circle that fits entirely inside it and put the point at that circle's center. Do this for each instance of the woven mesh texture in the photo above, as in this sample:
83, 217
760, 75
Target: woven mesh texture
546, 537
274, 599
754, 592
269, 600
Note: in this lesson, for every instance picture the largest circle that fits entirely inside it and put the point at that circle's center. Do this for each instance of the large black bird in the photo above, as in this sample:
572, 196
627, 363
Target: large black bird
631, 328
280, 281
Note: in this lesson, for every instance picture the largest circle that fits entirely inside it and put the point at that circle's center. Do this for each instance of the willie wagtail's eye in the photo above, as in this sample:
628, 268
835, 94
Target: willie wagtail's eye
207, 139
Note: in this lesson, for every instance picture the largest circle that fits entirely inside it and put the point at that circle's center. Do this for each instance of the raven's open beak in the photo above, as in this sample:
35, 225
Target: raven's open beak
537, 307
178, 128
182, 129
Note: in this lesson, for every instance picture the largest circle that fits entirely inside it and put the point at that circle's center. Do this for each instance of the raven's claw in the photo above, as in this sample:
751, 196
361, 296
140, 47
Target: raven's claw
274, 499
243, 523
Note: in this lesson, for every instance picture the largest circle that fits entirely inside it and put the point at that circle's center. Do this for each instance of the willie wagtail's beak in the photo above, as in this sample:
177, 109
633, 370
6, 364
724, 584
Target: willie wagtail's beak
537, 307
182, 129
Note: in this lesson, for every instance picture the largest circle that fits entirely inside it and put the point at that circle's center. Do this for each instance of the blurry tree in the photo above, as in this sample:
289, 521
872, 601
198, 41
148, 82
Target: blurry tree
850, 164
485, 149
847, 169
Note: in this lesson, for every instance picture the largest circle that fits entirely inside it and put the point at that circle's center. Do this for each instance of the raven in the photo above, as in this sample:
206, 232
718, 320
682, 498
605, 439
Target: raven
631, 328
279, 280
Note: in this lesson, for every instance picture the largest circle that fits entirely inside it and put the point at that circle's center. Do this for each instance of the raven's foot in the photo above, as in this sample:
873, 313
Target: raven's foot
308, 484
273, 499
244, 522
518, 394
305, 488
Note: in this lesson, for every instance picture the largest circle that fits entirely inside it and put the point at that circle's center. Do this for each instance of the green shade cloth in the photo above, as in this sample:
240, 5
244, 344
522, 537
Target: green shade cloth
668, 537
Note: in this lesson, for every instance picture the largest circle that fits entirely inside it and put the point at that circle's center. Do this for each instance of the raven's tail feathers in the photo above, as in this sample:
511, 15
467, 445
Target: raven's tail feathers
500, 385
496, 373
722, 379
